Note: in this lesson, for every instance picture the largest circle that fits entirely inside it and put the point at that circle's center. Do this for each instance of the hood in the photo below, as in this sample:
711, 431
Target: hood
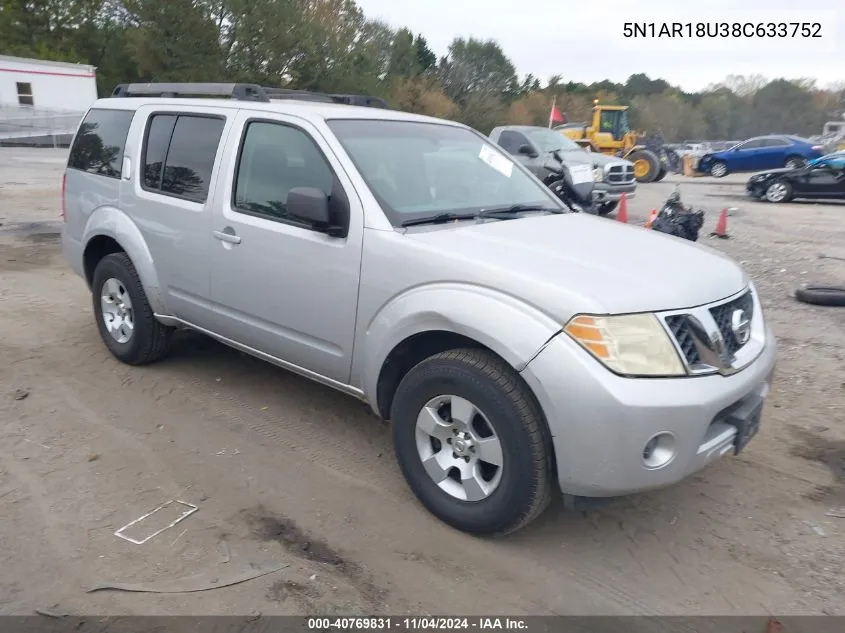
574, 262
604, 159
590, 158
773, 172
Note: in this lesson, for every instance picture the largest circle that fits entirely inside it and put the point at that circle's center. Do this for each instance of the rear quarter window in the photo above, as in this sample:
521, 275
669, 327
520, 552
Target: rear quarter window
99, 143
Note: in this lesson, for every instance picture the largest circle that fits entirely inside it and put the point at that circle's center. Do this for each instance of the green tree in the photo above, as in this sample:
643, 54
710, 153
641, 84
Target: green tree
475, 67
173, 40
785, 107
426, 59
404, 61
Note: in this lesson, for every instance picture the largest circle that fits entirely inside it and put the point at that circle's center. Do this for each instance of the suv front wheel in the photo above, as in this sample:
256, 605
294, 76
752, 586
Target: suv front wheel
472, 443
124, 316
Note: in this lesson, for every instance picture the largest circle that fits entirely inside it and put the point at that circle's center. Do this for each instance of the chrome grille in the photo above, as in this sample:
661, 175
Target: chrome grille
619, 173
681, 331
705, 339
722, 316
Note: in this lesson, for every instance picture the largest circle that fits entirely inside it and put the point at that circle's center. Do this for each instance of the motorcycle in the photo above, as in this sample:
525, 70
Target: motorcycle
573, 185
675, 218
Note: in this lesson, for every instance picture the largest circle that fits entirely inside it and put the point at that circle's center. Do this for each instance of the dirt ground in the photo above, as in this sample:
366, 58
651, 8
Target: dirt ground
288, 472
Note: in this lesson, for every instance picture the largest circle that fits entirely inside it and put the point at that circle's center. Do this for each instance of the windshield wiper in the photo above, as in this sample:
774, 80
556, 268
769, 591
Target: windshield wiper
500, 213
513, 211
437, 219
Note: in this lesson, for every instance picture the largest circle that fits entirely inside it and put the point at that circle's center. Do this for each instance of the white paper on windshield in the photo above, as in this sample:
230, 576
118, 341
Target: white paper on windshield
580, 174
496, 161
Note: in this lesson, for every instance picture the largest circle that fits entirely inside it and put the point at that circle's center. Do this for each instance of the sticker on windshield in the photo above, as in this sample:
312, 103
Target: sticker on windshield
580, 174
496, 161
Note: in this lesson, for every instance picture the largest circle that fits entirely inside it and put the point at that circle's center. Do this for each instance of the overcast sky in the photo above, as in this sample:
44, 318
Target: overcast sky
584, 41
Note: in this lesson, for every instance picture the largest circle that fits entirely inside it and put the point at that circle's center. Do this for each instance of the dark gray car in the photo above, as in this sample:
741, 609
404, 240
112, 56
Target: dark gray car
533, 145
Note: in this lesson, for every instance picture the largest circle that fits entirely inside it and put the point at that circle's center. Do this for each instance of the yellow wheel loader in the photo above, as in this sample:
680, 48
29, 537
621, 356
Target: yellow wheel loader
608, 133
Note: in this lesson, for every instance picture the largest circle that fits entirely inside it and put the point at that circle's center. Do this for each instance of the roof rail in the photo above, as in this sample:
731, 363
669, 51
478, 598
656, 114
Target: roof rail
324, 97
241, 92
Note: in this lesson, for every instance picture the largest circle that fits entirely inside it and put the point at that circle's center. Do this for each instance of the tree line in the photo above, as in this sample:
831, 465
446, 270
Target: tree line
331, 46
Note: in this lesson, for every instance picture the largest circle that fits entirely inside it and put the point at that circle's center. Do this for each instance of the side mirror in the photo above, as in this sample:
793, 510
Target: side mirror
527, 150
555, 168
309, 204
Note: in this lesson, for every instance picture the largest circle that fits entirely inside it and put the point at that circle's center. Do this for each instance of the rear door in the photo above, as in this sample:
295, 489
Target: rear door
774, 152
172, 173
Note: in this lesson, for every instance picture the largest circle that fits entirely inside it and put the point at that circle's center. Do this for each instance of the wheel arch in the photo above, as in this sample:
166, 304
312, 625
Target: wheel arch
109, 230
418, 347
430, 319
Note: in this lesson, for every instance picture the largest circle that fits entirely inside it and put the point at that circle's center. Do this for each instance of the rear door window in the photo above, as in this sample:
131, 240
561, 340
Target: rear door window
99, 143
179, 154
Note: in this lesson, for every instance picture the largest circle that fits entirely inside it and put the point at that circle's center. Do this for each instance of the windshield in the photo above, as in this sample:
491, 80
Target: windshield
836, 160
551, 141
418, 170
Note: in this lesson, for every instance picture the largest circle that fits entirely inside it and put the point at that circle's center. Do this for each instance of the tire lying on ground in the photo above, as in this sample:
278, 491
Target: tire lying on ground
821, 295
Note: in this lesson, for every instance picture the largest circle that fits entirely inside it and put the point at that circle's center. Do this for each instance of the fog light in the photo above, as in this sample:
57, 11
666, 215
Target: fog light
659, 450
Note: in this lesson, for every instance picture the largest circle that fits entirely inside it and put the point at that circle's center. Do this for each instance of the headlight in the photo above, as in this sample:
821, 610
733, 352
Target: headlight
631, 344
598, 174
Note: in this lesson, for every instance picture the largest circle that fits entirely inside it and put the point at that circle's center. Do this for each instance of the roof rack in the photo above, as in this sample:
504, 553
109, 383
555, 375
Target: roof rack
241, 92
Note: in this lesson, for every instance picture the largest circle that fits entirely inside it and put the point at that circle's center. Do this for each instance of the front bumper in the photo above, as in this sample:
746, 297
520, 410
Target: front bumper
756, 189
601, 423
604, 192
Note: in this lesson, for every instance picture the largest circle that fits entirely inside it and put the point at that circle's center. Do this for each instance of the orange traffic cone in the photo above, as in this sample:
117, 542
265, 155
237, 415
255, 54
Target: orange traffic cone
773, 626
622, 214
721, 226
651, 218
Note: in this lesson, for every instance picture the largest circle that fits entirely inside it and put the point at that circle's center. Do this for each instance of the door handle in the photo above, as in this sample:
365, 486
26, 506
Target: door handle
231, 238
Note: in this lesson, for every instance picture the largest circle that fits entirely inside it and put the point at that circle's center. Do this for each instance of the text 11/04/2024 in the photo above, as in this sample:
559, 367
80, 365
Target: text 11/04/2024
423, 623
722, 30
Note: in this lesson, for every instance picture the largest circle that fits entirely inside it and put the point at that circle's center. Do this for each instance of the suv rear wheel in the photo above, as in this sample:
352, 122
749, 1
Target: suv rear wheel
124, 316
472, 443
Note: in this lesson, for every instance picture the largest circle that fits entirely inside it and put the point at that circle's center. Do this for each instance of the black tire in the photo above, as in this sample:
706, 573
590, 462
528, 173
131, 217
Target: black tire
150, 340
661, 174
794, 162
719, 169
821, 296
494, 388
606, 208
653, 161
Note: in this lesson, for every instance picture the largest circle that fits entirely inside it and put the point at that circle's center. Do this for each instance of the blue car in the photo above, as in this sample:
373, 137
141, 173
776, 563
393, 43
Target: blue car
760, 153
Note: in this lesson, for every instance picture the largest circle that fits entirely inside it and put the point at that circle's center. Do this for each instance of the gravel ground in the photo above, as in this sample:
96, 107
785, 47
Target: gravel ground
285, 471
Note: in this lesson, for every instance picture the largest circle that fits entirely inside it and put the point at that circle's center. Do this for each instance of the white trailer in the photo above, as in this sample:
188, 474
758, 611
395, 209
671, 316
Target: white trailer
47, 85
42, 102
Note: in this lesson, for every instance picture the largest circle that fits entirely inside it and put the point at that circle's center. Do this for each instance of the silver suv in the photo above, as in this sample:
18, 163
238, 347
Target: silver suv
412, 263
